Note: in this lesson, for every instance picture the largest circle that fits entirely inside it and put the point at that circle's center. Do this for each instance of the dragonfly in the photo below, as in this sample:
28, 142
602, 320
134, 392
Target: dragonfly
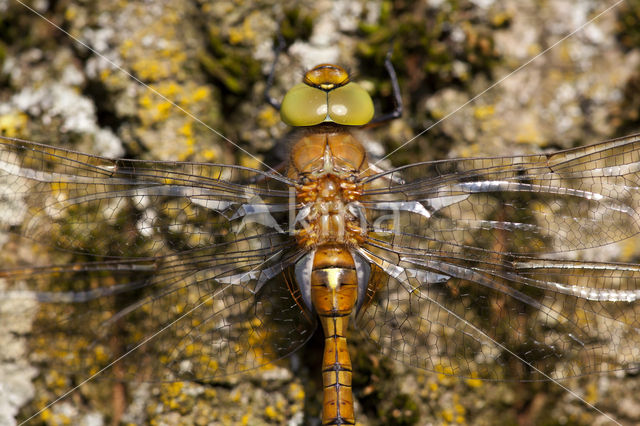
471, 265
476, 265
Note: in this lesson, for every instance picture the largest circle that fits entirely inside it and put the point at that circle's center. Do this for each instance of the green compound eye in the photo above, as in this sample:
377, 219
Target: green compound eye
348, 105
304, 106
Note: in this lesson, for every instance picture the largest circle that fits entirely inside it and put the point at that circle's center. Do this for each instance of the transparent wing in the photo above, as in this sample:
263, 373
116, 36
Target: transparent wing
65, 199
176, 265
484, 265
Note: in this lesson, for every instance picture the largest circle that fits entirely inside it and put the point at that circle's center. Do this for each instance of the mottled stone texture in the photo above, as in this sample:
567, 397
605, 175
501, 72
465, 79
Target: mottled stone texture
203, 65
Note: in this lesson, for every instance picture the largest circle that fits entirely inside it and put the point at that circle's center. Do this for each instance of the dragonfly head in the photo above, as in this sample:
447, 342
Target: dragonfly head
326, 95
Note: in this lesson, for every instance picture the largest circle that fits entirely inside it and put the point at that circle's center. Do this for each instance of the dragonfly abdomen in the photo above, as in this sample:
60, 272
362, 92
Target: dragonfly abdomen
334, 292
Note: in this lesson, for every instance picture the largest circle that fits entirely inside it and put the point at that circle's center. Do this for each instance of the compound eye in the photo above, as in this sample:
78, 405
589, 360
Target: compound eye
350, 105
304, 106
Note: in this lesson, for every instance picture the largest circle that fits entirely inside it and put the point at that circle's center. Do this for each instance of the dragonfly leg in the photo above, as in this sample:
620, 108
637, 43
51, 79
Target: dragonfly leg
397, 95
277, 51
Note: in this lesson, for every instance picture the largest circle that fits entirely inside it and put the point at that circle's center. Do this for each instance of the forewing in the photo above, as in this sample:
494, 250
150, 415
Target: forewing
67, 199
567, 201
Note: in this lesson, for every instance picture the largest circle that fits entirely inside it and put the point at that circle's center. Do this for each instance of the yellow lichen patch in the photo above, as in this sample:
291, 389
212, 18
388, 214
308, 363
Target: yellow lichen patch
170, 18
46, 415
438, 113
250, 161
101, 355
149, 69
473, 381
459, 409
566, 52
70, 13
153, 111
243, 33
445, 374
13, 124
245, 419
173, 389
270, 412
483, 112
212, 365
200, 93
209, 155
137, 336
57, 419
534, 49
169, 89
162, 110
447, 415
268, 117
105, 74
501, 18
126, 46
235, 36
187, 131
296, 391
591, 395
145, 101
56, 380
189, 350
177, 398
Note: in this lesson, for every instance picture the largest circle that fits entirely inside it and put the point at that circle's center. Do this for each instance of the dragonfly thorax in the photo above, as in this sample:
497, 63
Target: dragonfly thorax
328, 213
327, 165
327, 150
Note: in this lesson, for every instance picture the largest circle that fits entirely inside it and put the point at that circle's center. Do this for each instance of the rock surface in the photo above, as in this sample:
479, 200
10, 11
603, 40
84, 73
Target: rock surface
205, 63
